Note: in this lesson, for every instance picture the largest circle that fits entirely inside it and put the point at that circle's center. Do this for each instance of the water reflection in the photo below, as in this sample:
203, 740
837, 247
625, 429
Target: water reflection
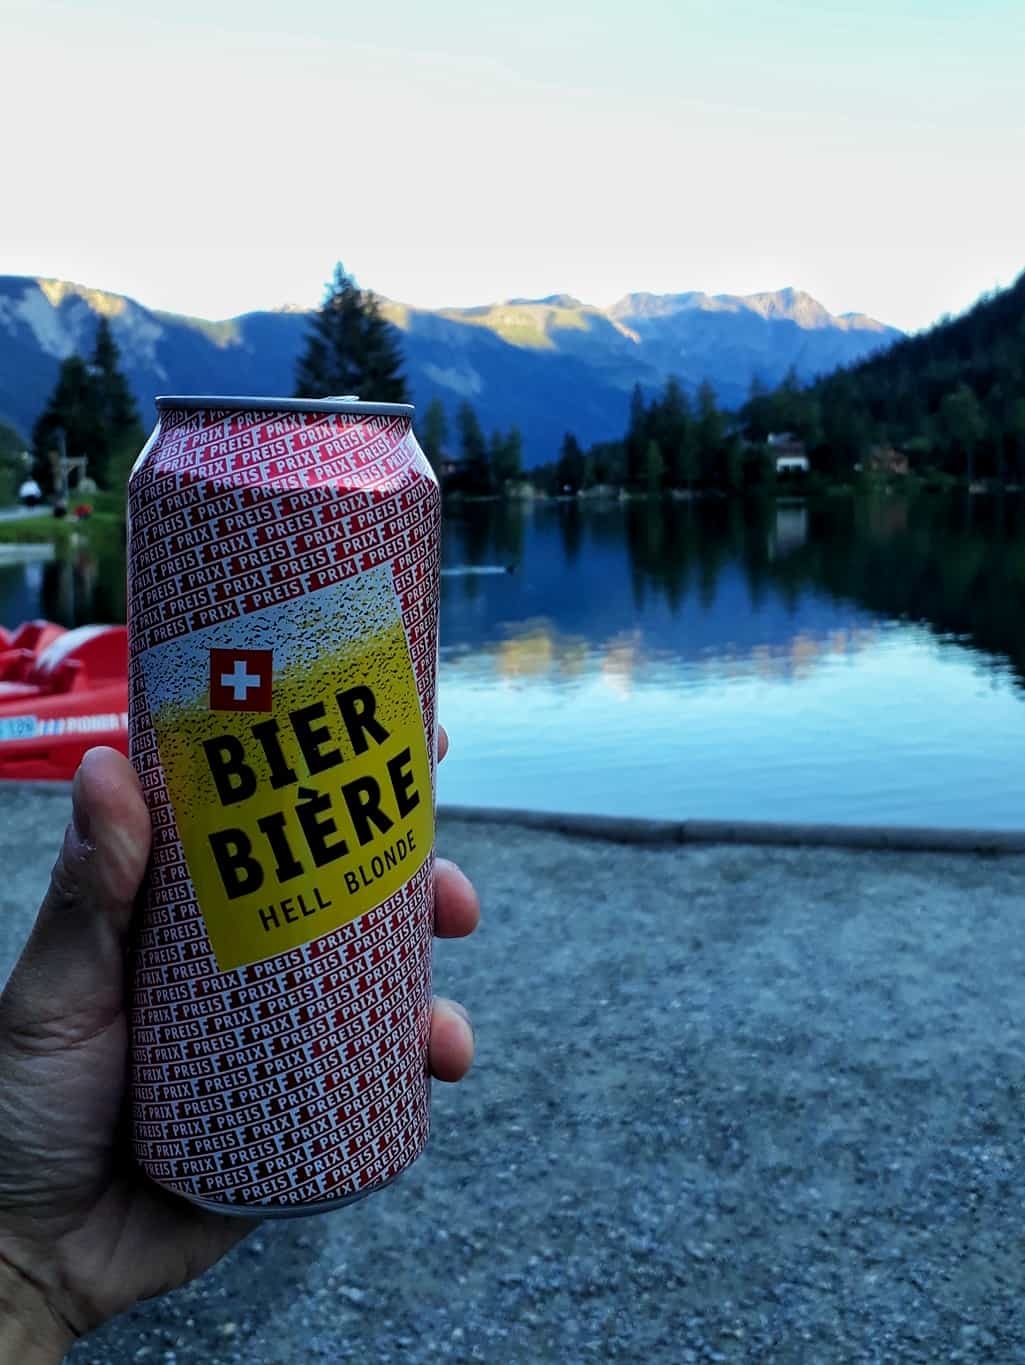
762, 581
84, 583
858, 660
955, 564
846, 659
596, 571
537, 649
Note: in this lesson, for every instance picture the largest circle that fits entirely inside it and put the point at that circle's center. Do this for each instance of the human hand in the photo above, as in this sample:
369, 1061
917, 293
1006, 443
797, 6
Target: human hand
83, 1234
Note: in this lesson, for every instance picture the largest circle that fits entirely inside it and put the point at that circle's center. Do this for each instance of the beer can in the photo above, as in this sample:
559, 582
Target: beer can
283, 582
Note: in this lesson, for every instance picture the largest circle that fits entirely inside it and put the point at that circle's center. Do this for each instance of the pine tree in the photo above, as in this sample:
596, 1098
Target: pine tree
669, 415
710, 436
434, 434
961, 420
92, 405
757, 411
605, 462
789, 404
74, 409
734, 464
507, 457
570, 471
685, 466
351, 348
654, 468
495, 447
117, 411
672, 426
845, 427
636, 442
473, 449
384, 381
117, 406
513, 454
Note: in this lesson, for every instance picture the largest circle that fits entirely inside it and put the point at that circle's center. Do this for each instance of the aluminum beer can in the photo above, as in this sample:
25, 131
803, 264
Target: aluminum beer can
283, 582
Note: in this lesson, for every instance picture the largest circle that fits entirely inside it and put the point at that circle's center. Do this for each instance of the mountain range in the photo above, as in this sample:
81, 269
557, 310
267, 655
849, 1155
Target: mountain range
546, 365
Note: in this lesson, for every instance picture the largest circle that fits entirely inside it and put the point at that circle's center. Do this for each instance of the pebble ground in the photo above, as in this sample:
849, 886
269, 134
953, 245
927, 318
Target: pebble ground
744, 1105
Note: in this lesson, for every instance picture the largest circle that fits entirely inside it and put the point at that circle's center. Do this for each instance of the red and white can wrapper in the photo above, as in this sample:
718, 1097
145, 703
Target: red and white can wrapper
283, 566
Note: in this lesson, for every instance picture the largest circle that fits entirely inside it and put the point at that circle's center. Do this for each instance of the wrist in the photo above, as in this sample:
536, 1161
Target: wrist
31, 1333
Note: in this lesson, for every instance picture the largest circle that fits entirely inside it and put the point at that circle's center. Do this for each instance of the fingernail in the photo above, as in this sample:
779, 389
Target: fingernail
463, 1013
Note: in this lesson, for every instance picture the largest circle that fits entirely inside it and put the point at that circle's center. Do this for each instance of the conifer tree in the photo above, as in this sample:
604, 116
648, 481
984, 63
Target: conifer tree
116, 410
92, 405
507, 457
351, 348
473, 449
962, 422
434, 434
570, 473
654, 468
685, 466
636, 442
710, 435
74, 409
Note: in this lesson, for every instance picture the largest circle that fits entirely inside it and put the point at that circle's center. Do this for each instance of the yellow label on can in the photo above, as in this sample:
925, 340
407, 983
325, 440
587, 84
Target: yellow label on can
293, 747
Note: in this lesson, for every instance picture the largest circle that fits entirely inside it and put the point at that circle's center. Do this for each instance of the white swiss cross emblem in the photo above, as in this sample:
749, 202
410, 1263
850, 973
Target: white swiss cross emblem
240, 679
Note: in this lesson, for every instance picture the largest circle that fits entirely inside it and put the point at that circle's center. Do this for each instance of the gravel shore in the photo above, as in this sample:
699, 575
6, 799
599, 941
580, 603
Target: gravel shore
731, 1104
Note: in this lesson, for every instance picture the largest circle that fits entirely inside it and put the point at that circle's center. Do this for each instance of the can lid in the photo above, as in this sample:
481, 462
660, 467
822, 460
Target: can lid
192, 402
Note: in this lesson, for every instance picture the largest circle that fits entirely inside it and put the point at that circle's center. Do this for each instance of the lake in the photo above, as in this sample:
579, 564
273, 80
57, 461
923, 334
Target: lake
853, 659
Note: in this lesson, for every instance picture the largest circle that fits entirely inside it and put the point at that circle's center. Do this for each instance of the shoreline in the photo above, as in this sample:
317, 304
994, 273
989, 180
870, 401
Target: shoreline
655, 832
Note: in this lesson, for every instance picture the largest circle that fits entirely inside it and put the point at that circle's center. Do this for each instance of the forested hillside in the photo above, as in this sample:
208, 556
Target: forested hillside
952, 398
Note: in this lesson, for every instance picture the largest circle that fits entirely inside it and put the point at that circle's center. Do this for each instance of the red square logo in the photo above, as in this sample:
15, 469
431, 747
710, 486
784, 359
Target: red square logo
240, 679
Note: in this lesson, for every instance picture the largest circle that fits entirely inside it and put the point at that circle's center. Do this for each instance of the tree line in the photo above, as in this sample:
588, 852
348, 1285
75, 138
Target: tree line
351, 349
951, 400
671, 443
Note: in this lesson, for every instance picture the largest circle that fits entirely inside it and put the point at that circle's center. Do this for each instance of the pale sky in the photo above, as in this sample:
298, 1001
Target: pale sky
215, 156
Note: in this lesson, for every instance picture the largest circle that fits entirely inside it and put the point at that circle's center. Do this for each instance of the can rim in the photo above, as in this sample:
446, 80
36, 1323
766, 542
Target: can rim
191, 402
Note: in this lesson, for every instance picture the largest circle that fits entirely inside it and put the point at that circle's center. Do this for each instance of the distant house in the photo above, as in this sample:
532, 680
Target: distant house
792, 464
787, 453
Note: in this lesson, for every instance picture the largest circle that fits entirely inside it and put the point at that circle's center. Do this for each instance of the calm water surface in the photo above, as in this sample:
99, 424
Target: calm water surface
842, 659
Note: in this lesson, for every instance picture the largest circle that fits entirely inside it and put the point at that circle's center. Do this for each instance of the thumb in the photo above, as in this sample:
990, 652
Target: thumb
68, 983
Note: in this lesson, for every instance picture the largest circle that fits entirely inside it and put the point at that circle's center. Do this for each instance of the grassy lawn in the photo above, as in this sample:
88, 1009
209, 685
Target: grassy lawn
107, 514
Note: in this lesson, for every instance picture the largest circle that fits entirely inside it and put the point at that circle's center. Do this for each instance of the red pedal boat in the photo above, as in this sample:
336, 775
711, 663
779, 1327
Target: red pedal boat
61, 692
